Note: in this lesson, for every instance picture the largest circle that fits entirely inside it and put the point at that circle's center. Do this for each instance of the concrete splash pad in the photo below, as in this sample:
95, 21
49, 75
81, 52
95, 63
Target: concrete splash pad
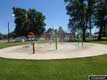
46, 51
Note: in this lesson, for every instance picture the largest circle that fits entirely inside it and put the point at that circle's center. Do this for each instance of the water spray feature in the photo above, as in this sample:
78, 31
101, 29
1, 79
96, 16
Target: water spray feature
79, 34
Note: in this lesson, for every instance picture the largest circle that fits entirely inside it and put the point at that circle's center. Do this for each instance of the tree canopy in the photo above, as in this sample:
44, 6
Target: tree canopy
29, 20
83, 12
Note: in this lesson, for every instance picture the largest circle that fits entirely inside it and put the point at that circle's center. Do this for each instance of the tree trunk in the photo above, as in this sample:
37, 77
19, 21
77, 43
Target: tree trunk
83, 35
104, 30
90, 14
90, 27
100, 33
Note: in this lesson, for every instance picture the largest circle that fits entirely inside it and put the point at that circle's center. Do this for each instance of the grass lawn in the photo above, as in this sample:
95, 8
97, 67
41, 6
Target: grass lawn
104, 41
99, 42
71, 69
4, 45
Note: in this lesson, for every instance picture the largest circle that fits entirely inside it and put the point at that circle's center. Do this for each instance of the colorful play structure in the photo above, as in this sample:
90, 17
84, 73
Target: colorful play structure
56, 36
31, 35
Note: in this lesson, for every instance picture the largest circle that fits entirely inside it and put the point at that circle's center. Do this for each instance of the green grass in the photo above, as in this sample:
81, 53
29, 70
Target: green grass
4, 45
99, 42
10, 44
103, 41
42, 41
71, 69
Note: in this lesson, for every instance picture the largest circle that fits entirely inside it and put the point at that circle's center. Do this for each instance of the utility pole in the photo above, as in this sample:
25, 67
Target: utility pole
8, 32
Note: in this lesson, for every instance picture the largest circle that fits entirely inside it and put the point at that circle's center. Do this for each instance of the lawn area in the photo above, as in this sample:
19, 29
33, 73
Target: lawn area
99, 42
10, 44
4, 45
71, 69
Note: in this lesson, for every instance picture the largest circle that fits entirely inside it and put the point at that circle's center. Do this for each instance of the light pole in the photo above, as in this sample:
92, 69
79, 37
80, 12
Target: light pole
8, 32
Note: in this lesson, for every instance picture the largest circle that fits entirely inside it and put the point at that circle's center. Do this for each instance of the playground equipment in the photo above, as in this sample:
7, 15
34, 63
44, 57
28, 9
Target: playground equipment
55, 35
51, 36
78, 35
56, 41
31, 35
61, 34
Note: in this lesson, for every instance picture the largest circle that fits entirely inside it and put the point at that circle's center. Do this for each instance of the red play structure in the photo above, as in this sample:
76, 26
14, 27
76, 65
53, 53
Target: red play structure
31, 35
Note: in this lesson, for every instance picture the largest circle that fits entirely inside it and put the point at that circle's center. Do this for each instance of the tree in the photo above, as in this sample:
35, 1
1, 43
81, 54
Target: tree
20, 20
77, 11
36, 21
28, 21
82, 12
1, 36
100, 17
12, 35
49, 33
90, 13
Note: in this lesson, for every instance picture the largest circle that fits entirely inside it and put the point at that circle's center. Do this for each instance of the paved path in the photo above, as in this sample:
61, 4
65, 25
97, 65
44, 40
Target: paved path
46, 51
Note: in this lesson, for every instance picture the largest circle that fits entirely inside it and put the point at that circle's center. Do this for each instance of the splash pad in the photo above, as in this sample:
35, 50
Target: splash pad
45, 51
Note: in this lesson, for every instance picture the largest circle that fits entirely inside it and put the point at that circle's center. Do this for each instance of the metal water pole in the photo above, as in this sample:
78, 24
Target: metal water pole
56, 44
82, 38
33, 44
31, 34
78, 36
81, 31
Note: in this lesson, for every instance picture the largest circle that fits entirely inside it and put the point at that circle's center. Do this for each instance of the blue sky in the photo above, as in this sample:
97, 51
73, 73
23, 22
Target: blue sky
54, 10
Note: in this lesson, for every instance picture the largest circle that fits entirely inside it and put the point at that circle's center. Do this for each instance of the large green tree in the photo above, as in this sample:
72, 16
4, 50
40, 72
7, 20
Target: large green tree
77, 11
36, 21
20, 20
28, 21
100, 15
90, 11
83, 12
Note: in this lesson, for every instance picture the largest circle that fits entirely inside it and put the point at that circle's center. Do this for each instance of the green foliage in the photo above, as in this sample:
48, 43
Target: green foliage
1, 36
61, 29
49, 30
100, 17
28, 21
82, 12
77, 10
20, 20
98, 41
